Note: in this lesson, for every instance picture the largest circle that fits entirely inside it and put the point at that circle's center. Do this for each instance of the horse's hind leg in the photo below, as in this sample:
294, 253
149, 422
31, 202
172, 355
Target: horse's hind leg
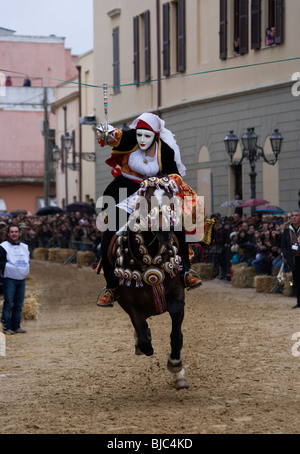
176, 334
142, 336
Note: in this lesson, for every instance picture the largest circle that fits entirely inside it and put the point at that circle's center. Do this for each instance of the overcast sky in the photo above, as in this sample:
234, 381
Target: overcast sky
72, 19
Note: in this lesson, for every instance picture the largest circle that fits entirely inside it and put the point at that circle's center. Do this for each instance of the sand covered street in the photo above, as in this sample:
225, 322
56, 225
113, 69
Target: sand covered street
75, 371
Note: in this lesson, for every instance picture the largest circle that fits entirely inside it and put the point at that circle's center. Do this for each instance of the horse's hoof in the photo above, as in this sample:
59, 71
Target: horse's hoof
145, 349
180, 380
181, 383
138, 351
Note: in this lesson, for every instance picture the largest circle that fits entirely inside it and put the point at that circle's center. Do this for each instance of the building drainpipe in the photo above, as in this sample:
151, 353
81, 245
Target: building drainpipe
80, 132
65, 154
46, 150
158, 57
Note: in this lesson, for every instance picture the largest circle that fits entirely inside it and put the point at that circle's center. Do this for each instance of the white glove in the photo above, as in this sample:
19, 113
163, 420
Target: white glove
105, 133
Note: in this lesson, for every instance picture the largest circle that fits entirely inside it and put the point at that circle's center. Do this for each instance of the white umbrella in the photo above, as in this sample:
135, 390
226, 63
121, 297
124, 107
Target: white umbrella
231, 204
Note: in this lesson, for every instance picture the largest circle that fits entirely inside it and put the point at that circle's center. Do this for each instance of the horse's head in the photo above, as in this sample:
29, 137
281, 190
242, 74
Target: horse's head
158, 206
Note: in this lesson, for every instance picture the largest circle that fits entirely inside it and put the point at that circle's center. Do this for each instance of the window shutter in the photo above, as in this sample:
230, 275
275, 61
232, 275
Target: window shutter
278, 21
136, 53
166, 39
255, 24
116, 60
243, 26
181, 36
147, 46
223, 29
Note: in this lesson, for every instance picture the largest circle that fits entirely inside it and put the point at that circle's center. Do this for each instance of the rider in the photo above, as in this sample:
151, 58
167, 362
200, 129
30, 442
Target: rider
145, 150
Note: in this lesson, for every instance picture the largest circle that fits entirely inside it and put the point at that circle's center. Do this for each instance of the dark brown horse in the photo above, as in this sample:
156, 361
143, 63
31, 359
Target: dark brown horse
148, 267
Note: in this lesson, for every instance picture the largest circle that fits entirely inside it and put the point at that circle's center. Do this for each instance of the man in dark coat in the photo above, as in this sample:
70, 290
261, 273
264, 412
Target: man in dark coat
290, 247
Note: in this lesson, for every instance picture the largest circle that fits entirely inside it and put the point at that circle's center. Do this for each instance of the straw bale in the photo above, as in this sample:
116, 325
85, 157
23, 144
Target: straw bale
243, 277
287, 287
40, 253
30, 309
63, 254
52, 256
204, 270
264, 283
85, 258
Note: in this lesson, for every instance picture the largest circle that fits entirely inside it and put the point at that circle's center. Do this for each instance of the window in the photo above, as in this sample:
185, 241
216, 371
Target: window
141, 40
166, 39
240, 27
264, 15
116, 60
255, 24
275, 18
174, 37
274, 22
147, 46
136, 51
241, 24
181, 57
223, 29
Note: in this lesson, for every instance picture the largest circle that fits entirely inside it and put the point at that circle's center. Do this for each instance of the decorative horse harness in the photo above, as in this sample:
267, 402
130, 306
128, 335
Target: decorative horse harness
151, 270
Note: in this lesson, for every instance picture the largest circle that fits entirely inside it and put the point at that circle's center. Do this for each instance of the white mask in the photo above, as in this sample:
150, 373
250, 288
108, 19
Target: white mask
144, 138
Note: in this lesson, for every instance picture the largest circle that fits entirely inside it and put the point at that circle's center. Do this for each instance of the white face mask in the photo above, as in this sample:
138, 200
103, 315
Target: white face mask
144, 138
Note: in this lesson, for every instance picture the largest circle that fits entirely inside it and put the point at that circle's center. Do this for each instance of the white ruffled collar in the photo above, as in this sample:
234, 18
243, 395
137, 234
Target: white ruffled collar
144, 165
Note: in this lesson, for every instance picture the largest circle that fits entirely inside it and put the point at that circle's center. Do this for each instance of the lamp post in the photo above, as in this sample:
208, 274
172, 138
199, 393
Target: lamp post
67, 145
252, 152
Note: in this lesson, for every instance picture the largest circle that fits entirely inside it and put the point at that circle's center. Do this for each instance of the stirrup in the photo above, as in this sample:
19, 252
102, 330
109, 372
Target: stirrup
196, 276
110, 297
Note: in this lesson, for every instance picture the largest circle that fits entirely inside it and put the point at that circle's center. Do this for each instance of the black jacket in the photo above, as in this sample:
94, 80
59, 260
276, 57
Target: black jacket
129, 143
286, 247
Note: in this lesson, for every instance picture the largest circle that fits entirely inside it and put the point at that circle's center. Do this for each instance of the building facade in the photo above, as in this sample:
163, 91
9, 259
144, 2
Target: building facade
207, 67
27, 177
73, 107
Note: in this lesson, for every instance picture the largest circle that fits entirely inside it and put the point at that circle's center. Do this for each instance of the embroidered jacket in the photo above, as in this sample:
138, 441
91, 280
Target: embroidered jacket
126, 143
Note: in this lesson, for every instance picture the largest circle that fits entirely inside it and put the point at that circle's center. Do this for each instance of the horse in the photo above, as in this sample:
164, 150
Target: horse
149, 270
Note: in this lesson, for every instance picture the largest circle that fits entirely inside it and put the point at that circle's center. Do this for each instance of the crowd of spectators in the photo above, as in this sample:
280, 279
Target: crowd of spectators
66, 230
250, 240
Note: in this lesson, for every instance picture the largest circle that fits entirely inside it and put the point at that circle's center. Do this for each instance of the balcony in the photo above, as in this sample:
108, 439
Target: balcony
22, 171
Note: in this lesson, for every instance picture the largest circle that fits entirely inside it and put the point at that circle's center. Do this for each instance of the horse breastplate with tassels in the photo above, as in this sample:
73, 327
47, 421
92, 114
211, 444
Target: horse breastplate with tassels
140, 257
151, 270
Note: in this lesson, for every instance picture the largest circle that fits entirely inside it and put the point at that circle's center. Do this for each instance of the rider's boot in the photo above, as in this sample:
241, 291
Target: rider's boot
108, 298
192, 280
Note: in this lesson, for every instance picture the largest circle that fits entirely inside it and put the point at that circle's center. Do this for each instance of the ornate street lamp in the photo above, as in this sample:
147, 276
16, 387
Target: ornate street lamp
67, 142
252, 151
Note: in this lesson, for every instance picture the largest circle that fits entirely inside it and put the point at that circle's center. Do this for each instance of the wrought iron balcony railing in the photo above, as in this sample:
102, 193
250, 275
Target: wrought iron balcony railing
21, 169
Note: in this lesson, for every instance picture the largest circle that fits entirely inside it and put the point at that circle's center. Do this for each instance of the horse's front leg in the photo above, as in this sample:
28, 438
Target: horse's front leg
142, 335
174, 361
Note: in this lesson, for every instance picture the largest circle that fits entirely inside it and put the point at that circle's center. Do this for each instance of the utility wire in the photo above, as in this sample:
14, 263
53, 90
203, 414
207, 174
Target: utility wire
176, 76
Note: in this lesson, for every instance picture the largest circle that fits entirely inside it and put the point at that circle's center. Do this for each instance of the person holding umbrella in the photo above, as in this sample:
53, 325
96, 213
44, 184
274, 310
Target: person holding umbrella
290, 248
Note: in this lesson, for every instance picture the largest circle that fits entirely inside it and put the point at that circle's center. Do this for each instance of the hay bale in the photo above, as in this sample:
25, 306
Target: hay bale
287, 287
264, 283
40, 253
204, 270
52, 256
30, 309
85, 258
242, 277
64, 254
